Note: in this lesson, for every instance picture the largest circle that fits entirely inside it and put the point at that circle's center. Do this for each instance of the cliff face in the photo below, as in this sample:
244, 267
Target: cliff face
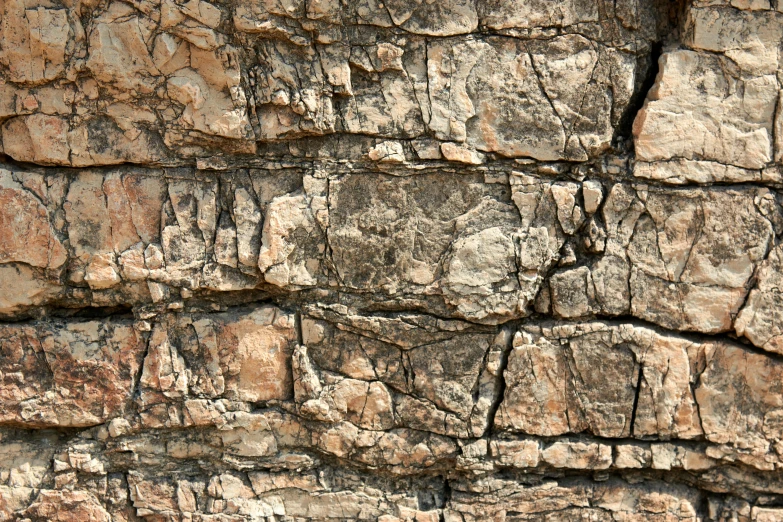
401, 260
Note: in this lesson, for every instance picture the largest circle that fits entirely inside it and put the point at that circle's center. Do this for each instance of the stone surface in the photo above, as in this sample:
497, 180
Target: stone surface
404, 261
70, 375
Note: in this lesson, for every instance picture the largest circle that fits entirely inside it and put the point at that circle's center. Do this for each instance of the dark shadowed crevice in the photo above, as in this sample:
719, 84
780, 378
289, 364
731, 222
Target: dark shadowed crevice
94, 312
501, 389
636, 399
649, 68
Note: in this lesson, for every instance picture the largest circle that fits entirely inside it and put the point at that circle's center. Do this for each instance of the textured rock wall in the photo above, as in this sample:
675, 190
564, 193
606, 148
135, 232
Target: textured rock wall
401, 260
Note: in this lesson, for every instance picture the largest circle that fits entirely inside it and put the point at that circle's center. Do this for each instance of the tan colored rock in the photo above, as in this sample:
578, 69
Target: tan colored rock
766, 514
387, 151
715, 117
750, 39
572, 292
517, 454
242, 356
282, 259
34, 41
740, 404
464, 78
691, 265
477, 265
22, 287
456, 378
72, 375
500, 14
118, 52
759, 319
599, 378
453, 152
681, 172
434, 19
102, 272
37, 138
632, 456
68, 506
390, 260
470, 254
248, 227
26, 234
204, 91
578, 455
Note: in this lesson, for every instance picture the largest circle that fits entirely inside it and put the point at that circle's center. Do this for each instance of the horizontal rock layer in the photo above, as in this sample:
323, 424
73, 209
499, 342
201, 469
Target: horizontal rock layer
401, 261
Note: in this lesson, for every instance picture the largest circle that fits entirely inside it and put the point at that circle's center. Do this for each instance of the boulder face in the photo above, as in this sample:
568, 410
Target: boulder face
401, 260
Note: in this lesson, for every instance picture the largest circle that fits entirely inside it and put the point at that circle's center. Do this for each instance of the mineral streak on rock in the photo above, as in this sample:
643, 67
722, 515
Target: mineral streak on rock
401, 260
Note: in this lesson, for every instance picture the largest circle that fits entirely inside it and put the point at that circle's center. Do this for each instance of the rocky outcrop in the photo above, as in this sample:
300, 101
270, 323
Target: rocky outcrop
401, 261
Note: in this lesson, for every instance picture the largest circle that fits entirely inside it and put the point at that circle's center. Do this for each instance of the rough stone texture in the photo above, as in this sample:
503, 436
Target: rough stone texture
405, 261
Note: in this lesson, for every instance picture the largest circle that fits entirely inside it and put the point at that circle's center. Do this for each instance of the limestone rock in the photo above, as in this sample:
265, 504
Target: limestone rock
240, 356
399, 260
72, 375
692, 116
442, 378
610, 381
760, 317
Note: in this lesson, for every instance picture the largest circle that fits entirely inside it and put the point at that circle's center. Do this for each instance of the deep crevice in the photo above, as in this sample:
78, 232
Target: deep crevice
636, 399
650, 68
501, 389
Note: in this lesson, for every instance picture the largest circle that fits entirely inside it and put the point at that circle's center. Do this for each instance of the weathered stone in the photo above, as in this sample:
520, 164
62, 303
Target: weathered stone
578, 455
69, 375
243, 356
67, 506
26, 235
694, 274
759, 320
612, 381
715, 116
740, 406
34, 41
451, 397
535, 115
401, 260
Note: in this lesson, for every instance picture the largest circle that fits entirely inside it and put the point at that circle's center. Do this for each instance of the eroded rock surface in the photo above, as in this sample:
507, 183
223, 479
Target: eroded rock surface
405, 261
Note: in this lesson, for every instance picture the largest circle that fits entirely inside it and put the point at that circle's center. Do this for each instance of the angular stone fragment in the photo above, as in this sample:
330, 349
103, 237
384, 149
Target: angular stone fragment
693, 257
441, 375
521, 100
71, 374
746, 35
34, 41
760, 318
632, 456
739, 397
67, 506
242, 356
22, 287
37, 138
26, 234
377, 241
285, 259
612, 381
699, 110
578, 455
518, 454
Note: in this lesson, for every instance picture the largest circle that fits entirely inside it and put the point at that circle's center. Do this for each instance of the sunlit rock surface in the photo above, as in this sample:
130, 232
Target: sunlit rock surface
405, 261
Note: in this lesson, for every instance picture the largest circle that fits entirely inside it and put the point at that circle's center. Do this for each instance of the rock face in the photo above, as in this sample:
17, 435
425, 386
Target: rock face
405, 261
